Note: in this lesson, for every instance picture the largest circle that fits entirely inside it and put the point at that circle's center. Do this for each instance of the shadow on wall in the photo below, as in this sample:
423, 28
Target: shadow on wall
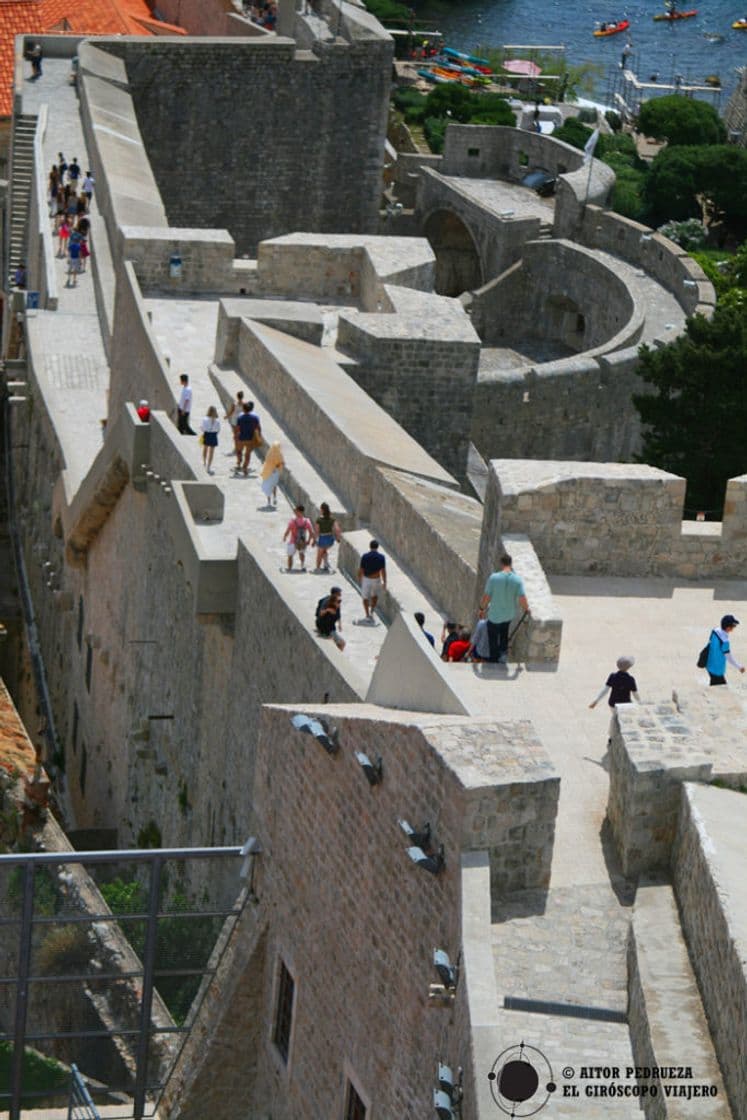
458, 266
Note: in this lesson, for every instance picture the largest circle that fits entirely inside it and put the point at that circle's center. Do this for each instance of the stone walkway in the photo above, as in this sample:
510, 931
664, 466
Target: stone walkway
185, 330
67, 345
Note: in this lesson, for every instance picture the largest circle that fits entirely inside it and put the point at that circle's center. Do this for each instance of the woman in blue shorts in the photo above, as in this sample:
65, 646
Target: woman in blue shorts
210, 427
327, 532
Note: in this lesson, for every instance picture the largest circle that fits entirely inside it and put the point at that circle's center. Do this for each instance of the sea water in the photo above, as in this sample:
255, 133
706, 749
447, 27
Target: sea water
684, 47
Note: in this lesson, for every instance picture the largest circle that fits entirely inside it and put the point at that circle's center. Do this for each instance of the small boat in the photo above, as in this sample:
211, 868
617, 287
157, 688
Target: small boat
713, 80
435, 78
481, 64
453, 76
671, 16
613, 28
740, 24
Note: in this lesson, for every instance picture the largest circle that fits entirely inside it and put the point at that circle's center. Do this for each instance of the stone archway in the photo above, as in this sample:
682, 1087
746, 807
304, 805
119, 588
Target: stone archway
458, 266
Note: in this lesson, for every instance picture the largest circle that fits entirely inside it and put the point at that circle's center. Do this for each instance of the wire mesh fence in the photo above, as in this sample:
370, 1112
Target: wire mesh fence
104, 960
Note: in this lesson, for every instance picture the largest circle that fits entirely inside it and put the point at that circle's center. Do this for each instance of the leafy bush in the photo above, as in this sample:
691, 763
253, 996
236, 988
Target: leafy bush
690, 234
435, 133
65, 949
613, 119
181, 943
587, 115
574, 132
628, 195
411, 103
389, 11
681, 120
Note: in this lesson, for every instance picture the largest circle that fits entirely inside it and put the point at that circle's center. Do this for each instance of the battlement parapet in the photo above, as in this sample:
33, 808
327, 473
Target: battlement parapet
621, 519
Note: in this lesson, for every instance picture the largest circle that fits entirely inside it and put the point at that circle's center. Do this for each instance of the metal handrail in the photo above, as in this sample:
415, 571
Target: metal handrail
80, 1105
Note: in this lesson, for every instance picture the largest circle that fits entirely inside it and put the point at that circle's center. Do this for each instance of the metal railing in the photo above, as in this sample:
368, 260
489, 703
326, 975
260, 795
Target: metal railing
104, 967
81, 1106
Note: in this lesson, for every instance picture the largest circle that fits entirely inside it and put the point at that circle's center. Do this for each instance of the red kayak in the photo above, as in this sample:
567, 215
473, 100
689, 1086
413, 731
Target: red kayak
612, 28
669, 16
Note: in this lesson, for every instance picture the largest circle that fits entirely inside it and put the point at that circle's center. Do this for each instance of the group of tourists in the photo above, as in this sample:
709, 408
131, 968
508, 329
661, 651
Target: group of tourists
265, 14
69, 194
503, 596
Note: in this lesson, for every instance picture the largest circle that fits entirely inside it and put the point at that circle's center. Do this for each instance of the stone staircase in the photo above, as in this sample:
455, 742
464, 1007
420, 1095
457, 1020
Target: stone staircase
545, 232
22, 170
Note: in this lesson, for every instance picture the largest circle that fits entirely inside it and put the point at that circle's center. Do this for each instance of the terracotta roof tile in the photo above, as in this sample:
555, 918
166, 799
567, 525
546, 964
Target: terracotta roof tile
81, 17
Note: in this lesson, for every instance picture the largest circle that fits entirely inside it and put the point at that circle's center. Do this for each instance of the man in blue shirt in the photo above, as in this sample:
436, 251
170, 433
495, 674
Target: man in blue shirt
248, 436
372, 576
719, 651
503, 592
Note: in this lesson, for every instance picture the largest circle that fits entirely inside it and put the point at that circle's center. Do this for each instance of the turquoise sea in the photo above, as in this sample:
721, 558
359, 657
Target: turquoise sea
666, 49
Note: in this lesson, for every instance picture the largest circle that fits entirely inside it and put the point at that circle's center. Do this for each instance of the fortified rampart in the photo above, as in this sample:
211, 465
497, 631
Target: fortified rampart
272, 99
486, 789
615, 519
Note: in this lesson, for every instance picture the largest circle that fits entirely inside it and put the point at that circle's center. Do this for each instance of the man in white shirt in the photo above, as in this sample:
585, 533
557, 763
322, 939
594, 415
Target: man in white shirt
184, 406
88, 185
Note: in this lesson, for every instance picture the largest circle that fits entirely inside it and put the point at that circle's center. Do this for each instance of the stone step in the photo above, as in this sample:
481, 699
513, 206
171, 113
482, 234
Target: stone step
668, 1026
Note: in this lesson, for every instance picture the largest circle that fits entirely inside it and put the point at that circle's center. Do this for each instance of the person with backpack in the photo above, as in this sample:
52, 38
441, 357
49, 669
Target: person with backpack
328, 620
713, 657
300, 535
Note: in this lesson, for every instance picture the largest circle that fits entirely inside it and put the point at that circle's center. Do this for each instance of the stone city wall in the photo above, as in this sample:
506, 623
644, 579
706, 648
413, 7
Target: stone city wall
735, 117
328, 807
208, 17
617, 519
316, 160
576, 408
554, 280
708, 882
39, 245
142, 371
655, 254
653, 750
420, 364
498, 241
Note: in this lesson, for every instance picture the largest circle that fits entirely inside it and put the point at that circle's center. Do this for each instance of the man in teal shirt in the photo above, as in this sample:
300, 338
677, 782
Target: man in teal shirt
503, 592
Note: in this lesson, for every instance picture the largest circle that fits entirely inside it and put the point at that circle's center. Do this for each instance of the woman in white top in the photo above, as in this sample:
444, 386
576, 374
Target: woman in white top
210, 427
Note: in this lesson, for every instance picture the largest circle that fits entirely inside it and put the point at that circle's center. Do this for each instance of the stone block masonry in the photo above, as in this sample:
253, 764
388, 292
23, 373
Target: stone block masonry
708, 866
614, 519
652, 751
483, 786
305, 131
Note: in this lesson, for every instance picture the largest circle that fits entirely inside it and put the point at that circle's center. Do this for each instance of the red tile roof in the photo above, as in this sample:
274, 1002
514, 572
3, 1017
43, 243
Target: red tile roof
80, 17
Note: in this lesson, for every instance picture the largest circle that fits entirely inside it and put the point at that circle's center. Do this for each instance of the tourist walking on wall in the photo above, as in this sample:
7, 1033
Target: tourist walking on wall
719, 650
328, 617
35, 55
420, 619
300, 535
75, 262
249, 436
88, 184
73, 174
479, 649
270, 474
231, 415
210, 425
372, 576
184, 406
621, 686
504, 591
64, 235
327, 532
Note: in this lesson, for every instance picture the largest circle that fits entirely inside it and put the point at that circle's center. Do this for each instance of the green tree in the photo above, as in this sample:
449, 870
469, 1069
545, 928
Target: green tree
722, 178
696, 414
681, 120
672, 185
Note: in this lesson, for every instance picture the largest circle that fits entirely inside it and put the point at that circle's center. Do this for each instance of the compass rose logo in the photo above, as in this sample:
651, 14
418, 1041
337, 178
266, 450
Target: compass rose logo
521, 1081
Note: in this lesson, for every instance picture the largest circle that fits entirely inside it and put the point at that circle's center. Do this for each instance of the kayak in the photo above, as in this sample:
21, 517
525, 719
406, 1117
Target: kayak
435, 78
453, 76
612, 28
669, 16
481, 64
449, 64
740, 25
